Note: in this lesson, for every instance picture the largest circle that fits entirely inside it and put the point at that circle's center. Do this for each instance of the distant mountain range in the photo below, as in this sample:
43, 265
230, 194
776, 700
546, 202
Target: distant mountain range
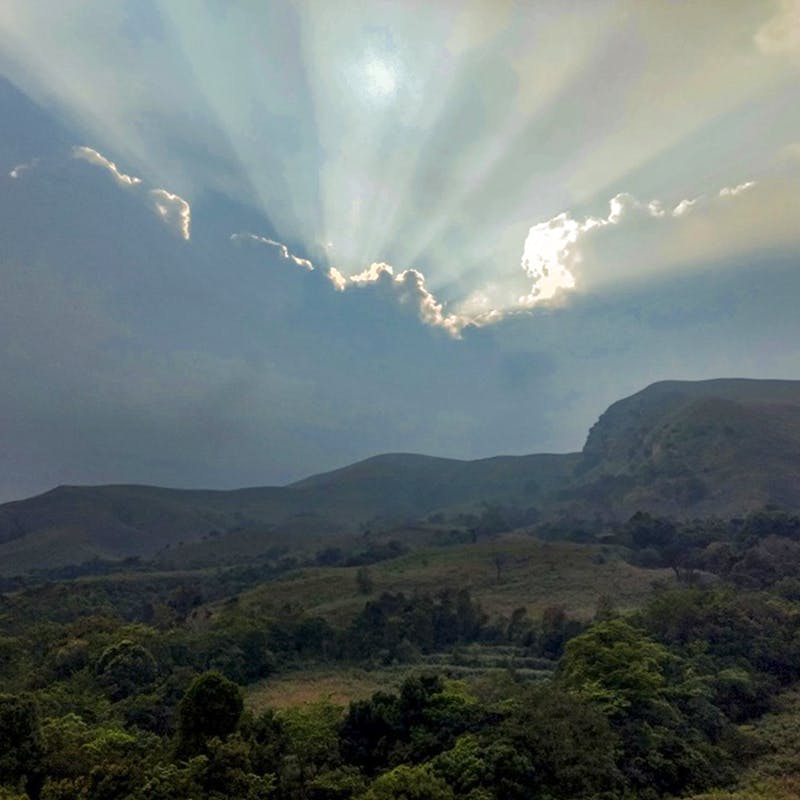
688, 449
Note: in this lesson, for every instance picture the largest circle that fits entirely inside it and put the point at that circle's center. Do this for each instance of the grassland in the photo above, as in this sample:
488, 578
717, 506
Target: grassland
503, 574
338, 686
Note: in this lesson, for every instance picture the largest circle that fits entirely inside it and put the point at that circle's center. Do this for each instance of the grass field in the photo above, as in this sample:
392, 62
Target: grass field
341, 686
338, 686
503, 574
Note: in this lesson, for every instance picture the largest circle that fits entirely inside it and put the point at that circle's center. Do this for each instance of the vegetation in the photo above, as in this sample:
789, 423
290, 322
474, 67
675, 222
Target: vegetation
143, 684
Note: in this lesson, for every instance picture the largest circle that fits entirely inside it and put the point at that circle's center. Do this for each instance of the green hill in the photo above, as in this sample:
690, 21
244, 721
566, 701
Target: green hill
719, 447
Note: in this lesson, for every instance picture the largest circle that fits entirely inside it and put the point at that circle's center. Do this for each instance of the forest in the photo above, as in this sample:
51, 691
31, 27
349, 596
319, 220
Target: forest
134, 685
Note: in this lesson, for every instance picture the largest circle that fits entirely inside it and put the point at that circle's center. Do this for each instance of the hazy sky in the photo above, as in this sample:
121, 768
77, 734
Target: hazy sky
243, 242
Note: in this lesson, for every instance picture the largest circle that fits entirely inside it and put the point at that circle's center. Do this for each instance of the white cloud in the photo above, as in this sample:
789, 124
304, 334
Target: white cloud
338, 280
651, 236
16, 173
632, 240
732, 191
93, 157
635, 240
546, 254
409, 286
171, 208
174, 210
282, 248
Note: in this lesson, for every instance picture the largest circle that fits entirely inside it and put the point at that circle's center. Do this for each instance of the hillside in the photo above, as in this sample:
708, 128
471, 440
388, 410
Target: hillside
682, 448
72, 524
720, 447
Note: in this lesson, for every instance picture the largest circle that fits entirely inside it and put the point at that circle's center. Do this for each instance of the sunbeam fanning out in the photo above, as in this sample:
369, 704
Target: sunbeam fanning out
242, 242
444, 138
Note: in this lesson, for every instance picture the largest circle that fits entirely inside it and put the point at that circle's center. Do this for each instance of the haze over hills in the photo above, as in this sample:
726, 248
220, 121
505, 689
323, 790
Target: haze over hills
719, 447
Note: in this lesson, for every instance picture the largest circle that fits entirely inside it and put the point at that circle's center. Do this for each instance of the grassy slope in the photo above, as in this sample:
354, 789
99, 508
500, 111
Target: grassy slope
117, 521
340, 687
533, 574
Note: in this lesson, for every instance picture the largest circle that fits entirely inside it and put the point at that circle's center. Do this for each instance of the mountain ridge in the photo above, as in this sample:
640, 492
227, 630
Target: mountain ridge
718, 447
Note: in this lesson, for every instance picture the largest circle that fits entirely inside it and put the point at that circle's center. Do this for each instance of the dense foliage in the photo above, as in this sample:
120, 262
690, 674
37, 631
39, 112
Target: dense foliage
100, 701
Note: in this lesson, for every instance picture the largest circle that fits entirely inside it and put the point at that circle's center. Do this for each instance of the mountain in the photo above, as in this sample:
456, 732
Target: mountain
688, 449
72, 524
717, 447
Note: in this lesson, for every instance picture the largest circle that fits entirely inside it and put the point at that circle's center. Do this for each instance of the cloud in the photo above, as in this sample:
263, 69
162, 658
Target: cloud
634, 239
558, 250
282, 248
16, 173
781, 33
93, 157
409, 286
172, 208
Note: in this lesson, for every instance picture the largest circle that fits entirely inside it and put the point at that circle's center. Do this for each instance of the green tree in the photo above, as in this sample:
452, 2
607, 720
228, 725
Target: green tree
646, 694
312, 740
463, 766
226, 772
211, 707
126, 668
569, 745
616, 667
409, 783
20, 740
645, 530
364, 582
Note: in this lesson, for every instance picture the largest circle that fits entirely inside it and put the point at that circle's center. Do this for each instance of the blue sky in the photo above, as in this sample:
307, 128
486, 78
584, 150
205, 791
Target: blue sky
242, 243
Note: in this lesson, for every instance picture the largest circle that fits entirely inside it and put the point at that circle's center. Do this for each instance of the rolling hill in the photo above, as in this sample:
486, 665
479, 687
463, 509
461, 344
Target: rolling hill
687, 449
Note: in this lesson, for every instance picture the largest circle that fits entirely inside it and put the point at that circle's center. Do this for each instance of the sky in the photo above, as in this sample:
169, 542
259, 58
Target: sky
241, 243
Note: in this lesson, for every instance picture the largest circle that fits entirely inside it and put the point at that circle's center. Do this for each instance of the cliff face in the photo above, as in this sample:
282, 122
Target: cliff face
697, 448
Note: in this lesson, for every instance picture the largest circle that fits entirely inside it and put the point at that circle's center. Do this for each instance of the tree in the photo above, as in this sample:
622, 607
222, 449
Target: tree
125, 668
569, 745
311, 736
364, 581
20, 739
646, 694
616, 666
211, 707
646, 530
464, 766
370, 730
500, 560
556, 630
409, 783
